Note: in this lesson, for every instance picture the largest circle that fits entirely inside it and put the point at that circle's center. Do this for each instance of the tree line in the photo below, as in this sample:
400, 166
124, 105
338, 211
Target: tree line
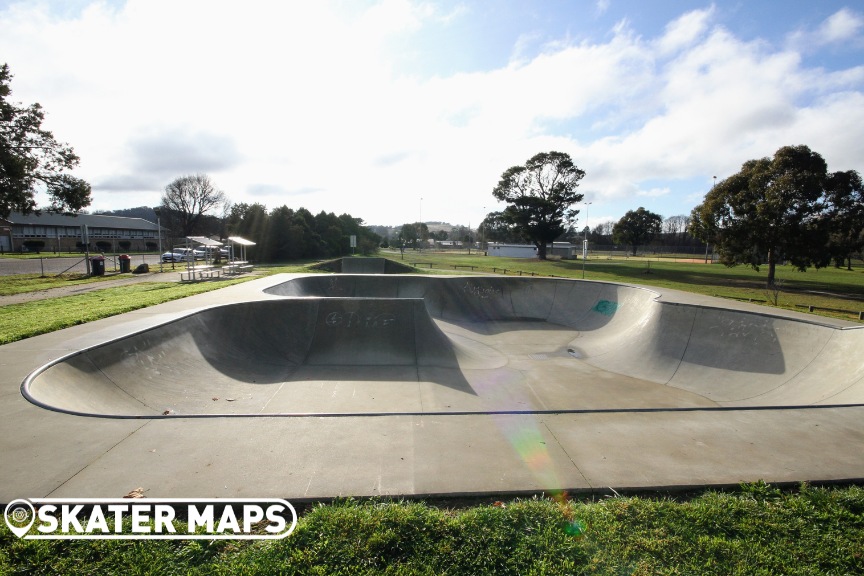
788, 208
192, 205
280, 234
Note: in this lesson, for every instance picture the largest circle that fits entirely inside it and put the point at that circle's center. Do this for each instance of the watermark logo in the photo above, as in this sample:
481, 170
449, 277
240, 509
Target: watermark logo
150, 518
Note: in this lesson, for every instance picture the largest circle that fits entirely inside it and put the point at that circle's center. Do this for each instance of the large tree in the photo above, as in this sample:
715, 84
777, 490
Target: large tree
539, 196
637, 228
495, 228
32, 160
188, 199
767, 212
844, 217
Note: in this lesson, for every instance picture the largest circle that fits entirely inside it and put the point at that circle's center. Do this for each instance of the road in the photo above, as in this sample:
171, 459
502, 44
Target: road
52, 265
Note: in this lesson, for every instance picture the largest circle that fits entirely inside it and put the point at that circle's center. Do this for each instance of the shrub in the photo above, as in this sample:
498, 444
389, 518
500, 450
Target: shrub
35, 245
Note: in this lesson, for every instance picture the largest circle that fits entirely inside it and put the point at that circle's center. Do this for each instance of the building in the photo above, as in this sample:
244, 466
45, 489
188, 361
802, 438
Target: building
65, 232
563, 249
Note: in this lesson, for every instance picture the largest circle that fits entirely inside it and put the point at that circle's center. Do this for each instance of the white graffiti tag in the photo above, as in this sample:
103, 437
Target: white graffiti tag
482, 292
359, 320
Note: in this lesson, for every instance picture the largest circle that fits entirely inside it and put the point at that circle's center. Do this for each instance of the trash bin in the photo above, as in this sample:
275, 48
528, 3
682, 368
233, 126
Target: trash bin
97, 266
125, 263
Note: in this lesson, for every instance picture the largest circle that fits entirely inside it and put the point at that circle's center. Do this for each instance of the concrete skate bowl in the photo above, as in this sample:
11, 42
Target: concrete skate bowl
376, 345
364, 266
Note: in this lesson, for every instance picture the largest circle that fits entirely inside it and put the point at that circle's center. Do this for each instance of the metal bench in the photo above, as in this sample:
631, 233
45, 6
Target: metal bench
199, 273
238, 267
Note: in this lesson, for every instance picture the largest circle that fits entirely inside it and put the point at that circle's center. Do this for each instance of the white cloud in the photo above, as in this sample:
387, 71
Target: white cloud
601, 6
684, 31
841, 26
299, 103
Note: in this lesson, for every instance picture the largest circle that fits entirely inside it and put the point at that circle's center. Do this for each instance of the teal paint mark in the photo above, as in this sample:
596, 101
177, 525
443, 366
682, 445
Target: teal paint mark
606, 307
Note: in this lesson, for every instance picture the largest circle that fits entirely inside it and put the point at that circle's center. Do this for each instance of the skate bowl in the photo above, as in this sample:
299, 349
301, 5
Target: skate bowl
333, 345
364, 266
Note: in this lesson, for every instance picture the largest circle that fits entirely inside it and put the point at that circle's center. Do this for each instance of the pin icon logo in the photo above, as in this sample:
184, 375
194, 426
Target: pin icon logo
20, 516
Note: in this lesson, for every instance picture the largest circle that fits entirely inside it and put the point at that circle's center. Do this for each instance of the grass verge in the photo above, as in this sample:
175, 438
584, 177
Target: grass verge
757, 529
23, 283
827, 288
19, 321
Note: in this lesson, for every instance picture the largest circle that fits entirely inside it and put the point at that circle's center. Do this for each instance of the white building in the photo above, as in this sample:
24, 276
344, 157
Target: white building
563, 249
63, 232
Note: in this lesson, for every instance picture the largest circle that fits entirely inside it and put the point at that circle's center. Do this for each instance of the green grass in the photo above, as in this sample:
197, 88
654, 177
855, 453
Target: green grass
826, 288
18, 321
23, 283
757, 529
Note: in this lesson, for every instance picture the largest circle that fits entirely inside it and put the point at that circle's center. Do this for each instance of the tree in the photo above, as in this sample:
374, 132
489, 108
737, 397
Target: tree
250, 221
189, 198
539, 196
413, 234
497, 229
767, 212
602, 232
30, 158
675, 229
367, 240
637, 228
845, 216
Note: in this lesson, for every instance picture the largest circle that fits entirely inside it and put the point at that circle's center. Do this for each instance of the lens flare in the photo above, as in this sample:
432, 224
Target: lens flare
523, 432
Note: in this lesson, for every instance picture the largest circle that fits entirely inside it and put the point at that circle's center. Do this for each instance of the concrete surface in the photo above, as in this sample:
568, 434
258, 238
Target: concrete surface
318, 386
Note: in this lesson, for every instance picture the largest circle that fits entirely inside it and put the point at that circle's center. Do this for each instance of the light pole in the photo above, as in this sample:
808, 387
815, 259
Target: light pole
707, 239
585, 240
420, 225
482, 231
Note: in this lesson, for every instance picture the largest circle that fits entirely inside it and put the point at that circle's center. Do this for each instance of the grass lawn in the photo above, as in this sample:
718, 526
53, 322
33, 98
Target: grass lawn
18, 321
757, 529
23, 283
838, 289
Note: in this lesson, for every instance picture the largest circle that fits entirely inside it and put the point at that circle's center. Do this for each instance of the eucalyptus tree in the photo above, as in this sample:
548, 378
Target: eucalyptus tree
637, 228
770, 211
32, 160
539, 196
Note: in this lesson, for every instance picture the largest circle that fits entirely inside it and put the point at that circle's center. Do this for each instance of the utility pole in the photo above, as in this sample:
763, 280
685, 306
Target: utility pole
708, 239
585, 240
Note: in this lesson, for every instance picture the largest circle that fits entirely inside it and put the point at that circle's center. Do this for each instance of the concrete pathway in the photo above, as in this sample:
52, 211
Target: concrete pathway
423, 447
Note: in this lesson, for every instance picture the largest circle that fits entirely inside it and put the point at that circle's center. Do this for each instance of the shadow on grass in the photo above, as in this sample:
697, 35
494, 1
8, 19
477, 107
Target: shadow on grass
838, 282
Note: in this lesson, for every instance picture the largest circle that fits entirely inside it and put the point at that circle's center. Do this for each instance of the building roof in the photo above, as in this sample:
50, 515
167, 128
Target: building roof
90, 220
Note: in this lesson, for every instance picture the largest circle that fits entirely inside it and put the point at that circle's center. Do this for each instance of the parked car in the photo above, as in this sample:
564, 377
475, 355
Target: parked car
202, 253
178, 255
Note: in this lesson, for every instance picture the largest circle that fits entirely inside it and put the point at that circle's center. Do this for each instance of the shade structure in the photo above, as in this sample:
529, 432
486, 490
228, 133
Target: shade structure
243, 243
204, 240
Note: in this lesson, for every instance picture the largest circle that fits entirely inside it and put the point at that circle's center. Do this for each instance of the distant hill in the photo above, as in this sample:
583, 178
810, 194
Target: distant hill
144, 212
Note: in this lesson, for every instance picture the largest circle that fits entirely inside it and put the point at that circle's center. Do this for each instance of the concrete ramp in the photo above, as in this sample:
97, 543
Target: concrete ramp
377, 332
374, 344
363, 265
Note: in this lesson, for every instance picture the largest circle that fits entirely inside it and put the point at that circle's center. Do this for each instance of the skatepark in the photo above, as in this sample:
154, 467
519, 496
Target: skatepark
318, 386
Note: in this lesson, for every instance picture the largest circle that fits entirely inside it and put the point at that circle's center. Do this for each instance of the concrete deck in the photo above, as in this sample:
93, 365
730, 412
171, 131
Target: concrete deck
307, 387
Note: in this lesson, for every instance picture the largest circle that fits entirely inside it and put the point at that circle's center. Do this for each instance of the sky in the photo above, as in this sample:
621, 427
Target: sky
395, 111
